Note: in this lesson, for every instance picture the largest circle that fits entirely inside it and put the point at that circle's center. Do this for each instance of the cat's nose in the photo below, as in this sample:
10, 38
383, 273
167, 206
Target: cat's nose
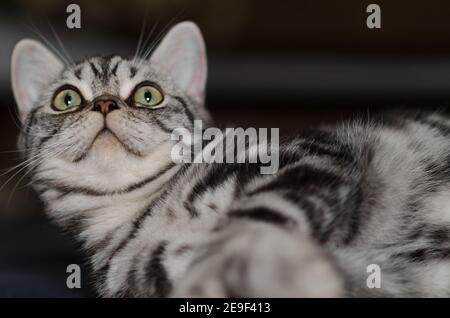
105, 106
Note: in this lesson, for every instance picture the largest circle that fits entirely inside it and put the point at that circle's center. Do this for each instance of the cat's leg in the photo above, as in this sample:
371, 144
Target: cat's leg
277, 239
267, 258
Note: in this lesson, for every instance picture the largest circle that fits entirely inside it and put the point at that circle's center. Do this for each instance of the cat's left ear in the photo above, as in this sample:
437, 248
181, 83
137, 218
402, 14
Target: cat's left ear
182, 56
33, 67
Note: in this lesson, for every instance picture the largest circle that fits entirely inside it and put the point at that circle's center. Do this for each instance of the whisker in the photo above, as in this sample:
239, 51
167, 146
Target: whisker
141, 36
61, 44
147, 39
35, 159
49, 44
32, 166
161, 34
33, 155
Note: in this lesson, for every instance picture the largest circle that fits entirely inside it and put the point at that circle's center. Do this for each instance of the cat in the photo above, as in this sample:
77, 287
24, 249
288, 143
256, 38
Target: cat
97, 135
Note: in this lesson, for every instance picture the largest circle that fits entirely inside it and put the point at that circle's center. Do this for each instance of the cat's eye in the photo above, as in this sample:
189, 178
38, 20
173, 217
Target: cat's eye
148, 96
67, 99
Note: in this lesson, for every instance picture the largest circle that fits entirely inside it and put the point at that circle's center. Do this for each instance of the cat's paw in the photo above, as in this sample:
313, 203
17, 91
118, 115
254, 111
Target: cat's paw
255, 260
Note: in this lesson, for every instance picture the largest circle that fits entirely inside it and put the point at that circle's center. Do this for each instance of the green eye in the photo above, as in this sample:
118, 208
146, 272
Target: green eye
148, 96
66, 99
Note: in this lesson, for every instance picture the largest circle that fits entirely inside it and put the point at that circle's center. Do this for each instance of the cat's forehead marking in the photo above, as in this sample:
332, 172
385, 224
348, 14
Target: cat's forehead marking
108, 75
102, 67
129, 75
98, 75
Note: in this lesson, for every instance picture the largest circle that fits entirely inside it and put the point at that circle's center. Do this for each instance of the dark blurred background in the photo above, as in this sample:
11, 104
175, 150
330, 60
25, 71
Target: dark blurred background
287, 64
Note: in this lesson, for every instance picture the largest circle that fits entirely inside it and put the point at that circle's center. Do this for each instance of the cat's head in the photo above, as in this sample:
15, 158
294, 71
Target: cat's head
107, 121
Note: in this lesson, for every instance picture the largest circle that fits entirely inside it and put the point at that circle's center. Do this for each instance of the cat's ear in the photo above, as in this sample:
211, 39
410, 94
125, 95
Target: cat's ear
181, 55
33, 67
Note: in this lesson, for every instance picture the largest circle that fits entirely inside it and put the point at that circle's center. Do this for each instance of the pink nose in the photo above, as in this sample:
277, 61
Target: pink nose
105, 106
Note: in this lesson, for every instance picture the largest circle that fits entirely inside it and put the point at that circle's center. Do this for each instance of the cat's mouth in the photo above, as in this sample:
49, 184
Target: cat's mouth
104, 142
106, 135
104, 131
107, 140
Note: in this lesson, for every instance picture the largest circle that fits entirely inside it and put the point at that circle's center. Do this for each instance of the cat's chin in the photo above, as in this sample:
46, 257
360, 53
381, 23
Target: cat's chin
106, 141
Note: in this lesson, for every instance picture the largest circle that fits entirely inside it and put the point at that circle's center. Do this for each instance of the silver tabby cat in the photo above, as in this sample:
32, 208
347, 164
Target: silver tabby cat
97, 136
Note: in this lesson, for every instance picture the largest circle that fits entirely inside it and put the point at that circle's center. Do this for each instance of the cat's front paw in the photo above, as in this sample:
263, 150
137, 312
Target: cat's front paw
255, 260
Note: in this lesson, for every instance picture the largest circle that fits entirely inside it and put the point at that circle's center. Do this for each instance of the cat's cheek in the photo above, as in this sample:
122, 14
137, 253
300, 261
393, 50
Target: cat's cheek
93, 125
114, 120
122, 127
86, 134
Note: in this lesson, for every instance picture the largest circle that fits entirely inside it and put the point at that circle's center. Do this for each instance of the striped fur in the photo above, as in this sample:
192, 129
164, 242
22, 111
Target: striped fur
344, 197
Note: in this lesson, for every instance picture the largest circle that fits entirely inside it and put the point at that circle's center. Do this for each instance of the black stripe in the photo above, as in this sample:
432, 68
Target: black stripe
103, 243
44, 140
218, 174
78, 72
425, 254
320, 143
302, 177
188, 112
94, 69
74, 225
66, 189
156, 273
343, 216
132, 289
133, 71
82, 156
105, 69
263, 214
53, 124
340, 155
433, 234
140, 219
162, 125
312, 214
114, 69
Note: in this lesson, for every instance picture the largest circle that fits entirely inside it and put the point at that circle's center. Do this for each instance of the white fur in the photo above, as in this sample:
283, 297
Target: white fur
181, 56
32, 67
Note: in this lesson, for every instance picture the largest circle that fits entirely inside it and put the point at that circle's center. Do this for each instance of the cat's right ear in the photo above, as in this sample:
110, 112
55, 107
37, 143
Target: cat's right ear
33, 67
182, 56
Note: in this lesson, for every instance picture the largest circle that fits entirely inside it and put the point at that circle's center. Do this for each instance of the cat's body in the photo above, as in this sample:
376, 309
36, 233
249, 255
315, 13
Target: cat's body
344, 197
